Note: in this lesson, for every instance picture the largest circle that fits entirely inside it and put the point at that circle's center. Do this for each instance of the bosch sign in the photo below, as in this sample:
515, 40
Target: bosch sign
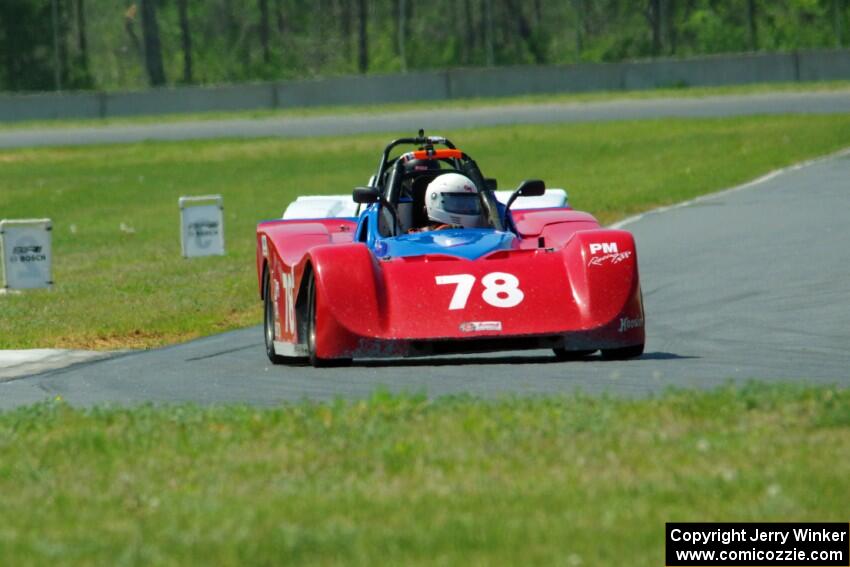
26, 250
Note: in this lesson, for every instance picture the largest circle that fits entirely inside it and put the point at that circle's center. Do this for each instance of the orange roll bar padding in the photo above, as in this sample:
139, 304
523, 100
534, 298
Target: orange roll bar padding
442, 153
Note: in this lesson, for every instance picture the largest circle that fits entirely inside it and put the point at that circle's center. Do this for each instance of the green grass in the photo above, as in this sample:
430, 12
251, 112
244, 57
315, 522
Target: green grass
406, 481
116, 289
559, 98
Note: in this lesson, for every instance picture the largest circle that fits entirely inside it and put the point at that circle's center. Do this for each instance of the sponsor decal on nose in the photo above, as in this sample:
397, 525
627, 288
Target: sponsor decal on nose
604, 247
472, 326
627, 324
614, 258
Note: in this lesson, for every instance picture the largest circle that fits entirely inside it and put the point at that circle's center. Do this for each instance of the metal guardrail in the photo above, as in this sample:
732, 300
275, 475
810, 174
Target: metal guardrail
718, 70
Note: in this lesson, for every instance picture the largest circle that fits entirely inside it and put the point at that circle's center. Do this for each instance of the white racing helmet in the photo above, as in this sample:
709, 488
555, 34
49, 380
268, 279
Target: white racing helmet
452, 198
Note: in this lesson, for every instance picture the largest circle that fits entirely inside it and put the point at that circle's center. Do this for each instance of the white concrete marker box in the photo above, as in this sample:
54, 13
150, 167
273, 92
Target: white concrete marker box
202, 226
27, 256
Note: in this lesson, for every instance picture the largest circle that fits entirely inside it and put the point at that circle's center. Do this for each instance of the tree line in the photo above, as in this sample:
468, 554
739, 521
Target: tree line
120, 44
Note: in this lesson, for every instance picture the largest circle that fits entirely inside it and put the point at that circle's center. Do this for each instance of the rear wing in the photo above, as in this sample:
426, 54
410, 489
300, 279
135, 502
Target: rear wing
335, 206
321, 207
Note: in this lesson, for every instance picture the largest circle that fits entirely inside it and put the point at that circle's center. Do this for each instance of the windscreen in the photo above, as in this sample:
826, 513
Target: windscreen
461, 203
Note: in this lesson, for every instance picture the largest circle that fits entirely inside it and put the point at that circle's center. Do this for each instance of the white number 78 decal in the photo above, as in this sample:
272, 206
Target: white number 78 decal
500, 289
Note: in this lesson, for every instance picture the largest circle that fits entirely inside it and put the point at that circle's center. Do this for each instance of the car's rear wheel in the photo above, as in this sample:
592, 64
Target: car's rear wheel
268, 322
623, 353
315, 360
564, 354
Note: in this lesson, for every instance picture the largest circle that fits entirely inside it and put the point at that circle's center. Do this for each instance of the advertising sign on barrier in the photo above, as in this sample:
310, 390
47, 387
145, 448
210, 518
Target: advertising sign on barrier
27, 255
202, 226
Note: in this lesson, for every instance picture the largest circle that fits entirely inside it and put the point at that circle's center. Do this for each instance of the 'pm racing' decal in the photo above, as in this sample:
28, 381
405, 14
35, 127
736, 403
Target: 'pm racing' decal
610, 254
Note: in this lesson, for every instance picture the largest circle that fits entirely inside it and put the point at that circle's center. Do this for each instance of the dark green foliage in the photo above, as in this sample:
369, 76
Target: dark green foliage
102, 42
29, 58
25, 45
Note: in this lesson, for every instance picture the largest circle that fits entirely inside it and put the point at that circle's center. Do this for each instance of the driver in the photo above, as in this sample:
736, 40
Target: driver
451, 201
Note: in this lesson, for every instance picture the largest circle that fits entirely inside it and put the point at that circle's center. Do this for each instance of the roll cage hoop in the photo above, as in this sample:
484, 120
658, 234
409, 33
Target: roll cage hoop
390, 171
425, 143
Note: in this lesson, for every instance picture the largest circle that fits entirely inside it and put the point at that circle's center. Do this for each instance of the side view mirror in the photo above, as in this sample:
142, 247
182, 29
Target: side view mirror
365, 195
528, 188
531, 188
369, 195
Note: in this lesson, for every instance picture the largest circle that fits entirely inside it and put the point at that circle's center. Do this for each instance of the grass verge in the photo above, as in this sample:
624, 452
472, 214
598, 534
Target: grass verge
120, 280
406, 481
559, 98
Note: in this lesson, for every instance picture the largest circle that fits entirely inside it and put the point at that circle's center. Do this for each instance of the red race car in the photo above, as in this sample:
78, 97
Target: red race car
437, 262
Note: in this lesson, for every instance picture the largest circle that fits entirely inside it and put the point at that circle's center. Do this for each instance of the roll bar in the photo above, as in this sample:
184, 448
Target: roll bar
426, 151
427, 143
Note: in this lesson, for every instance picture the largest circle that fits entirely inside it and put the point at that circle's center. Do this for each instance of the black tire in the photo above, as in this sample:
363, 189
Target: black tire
315, 361
268, 322
623, 353
564, 354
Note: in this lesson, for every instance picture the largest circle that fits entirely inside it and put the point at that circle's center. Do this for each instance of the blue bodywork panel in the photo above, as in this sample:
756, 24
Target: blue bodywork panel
469, 243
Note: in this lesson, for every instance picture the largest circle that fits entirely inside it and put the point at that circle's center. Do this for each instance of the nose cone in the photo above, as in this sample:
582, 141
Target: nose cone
470, 243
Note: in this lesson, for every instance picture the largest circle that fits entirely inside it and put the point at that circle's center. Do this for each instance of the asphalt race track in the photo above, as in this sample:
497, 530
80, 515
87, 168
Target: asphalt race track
830, 102
749, 283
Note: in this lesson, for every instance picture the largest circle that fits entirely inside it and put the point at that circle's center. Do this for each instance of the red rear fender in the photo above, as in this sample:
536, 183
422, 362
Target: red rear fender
290, 240
551, 228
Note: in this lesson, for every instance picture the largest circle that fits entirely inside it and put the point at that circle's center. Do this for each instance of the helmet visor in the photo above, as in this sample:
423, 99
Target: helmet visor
461, 203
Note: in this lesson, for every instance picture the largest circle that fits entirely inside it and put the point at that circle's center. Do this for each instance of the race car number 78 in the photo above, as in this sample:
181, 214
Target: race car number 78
500, 289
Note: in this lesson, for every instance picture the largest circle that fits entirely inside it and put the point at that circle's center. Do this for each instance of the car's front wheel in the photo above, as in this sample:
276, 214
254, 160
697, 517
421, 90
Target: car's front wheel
315, 360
